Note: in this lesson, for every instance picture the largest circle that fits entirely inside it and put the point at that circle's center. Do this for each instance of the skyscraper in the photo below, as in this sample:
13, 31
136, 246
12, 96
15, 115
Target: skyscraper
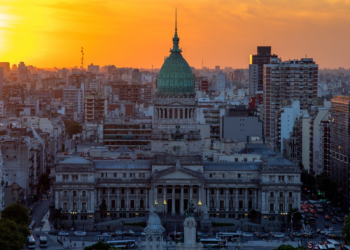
256, 67
340, 144
289, 80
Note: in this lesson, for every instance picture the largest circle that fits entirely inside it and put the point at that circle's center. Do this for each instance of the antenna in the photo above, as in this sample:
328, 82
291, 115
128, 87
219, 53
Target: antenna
82, 58
175, 19
202, 63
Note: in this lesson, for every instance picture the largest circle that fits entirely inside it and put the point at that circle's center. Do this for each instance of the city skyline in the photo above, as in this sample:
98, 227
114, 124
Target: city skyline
135, 34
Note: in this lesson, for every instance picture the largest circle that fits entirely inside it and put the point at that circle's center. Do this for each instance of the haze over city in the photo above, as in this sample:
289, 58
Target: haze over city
137, 33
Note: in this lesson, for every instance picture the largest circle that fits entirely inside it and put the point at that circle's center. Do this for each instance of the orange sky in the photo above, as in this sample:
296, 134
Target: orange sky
138, 33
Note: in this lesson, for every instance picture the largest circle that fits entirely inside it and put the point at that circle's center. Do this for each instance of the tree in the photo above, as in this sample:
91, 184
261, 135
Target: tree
345, 232
103, 208
301, 166
72, 127
17, 213
12, 236
99, 246
289, 247
326, 185
308, 180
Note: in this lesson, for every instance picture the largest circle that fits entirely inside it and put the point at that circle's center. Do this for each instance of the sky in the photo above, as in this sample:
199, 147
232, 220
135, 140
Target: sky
138, 33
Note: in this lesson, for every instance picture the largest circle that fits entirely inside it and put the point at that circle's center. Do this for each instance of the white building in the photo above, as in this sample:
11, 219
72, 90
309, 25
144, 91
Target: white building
220, 81
73, 100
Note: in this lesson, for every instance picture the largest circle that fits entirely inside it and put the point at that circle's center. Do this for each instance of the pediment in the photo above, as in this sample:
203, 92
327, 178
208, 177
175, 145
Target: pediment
176, 104
177, 175
178, 172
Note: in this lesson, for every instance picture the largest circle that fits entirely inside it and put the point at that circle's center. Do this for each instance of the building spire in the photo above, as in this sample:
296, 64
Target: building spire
176, 39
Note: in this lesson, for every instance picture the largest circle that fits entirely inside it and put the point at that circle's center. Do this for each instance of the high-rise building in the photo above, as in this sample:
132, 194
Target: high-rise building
1, 81
340, 144
289, 80
22, 71
73, 99
256, 67
64, 73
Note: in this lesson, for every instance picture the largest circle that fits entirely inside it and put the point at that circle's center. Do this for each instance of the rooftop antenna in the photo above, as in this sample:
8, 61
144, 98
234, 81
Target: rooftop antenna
202, 63
175, 19
82, 58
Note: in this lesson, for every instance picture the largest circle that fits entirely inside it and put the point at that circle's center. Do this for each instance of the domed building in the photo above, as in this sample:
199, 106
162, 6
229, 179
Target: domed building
175, 132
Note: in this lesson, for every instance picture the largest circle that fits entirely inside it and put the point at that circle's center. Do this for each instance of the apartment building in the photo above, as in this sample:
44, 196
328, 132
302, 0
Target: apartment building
122, 91
132, 132
73, 100
95, 107
325, 146
289, 80
340, 145
256, 67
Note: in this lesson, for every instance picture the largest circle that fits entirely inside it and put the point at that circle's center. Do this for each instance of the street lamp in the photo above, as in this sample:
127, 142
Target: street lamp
122, 224
199, 205
164, 203
73, 213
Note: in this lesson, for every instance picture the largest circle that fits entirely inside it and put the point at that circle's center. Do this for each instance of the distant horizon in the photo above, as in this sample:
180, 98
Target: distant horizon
138, 34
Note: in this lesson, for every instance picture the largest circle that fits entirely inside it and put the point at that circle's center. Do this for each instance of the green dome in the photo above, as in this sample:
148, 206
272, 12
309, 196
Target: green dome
175, 76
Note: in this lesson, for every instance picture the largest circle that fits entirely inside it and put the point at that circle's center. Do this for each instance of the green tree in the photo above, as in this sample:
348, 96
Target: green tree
72, 127
296, 215
308, 180
289, 247
12, 236
326, 185
345, 232
99, 246
301, 166
17, 213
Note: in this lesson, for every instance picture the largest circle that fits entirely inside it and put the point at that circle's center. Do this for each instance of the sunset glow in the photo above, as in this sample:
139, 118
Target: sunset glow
139, 33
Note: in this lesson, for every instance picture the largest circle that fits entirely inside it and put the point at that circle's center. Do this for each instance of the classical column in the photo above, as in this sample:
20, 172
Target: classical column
173, 201
276, 202
236, 200
127, 199
118, 200
108, 199
137, 202
146, 200
155, 197
92, 200
200, 199
173, 112
208, 199
226, 199
164, 198
217, 200
256, 199
263, 205
246, 200
182, 201
191, 192
285, 202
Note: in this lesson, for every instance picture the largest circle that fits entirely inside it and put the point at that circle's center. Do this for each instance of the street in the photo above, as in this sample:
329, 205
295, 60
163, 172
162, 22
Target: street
40, 209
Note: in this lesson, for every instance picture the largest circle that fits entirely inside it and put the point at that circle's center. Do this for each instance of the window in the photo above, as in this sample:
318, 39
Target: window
290, 178
290, 206
65, 177
159, 190
240, 204
65, 206
115, 174
245, 159
83, 206
132, 191
271, 194
212, 191
250, 204
65, 193
113, 190
240, 191
221, 191
122, 190
124, 175
248, 176
281, 207
185, 191
210, 175
272, 207
130, 175
195, 190
141, 190
250, 191
74, 193
113, 203
102, 174
290, 194
238, 176
84, 193
281, 178
281, 194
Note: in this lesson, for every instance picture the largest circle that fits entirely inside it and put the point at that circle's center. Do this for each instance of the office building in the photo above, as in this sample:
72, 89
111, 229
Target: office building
95, 107
256, 68
22, 71
73, 100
